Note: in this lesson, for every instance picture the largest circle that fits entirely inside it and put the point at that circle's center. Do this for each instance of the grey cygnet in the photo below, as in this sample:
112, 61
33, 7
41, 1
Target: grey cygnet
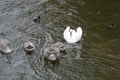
5, 46
51, 53
29, 46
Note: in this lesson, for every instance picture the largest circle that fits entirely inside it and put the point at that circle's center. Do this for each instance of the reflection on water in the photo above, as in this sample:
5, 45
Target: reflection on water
43, 22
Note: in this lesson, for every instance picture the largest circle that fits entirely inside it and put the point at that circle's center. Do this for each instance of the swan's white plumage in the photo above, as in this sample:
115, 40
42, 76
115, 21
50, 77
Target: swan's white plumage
72, 36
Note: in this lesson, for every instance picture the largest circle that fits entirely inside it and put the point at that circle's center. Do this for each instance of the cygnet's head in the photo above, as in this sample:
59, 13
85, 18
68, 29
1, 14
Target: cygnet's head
5, 46
59, 45
51, 53
29, 46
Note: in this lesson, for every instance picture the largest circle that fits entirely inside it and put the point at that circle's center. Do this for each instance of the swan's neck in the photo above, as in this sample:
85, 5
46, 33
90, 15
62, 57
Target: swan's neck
71, 33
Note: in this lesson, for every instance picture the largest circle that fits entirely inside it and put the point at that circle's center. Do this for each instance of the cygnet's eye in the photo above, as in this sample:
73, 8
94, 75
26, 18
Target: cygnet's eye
8, 44
52, 49
61, 47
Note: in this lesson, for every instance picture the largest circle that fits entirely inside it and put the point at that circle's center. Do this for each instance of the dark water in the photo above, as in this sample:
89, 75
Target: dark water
43, 22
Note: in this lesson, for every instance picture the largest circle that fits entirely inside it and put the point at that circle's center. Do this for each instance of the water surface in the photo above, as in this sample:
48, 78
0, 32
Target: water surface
95, 57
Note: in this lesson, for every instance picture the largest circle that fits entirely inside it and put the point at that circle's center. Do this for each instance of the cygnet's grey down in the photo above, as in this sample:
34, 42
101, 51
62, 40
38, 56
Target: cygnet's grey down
59, 45
51, 53
5, 46
29, 46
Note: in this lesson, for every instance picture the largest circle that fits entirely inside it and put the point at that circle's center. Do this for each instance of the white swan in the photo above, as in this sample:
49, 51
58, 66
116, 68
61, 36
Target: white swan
5, 46
72, 36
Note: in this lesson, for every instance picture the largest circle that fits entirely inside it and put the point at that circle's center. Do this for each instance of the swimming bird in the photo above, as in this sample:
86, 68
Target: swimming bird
72, 36
5, 46
29, 46
51, 53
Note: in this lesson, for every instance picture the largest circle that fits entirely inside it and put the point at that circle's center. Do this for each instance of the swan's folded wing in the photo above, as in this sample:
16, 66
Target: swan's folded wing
78, 34
66, 33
